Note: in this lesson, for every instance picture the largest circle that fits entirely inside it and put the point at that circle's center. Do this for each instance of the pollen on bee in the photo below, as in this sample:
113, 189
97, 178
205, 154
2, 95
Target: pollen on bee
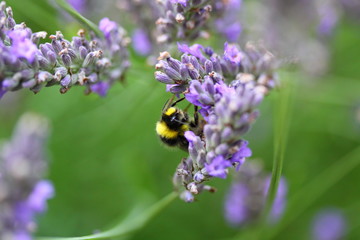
163, 130
170, 111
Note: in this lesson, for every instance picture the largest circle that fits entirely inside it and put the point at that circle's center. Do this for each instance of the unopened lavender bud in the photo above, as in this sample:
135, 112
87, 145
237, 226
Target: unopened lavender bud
56, 46
193, 188
194, 74
164, 78
51, 56
187, 196
222, 149
172, 73
72, 54
44, 76
227, 134
205, 99
66, 59
35, 37
29, 84
83, 51
65, 82
193, 60
199, 177
89, 59
60, 73
185, 58
9, 83
208, 66
43, 62
216, 65
77, 42
174, 63
184, 72
45, 48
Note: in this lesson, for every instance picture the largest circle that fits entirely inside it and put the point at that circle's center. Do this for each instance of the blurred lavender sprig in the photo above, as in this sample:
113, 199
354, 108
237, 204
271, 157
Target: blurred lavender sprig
95, 64
329, 224
182, 20
227, 21
227, 88
23, 193
246, 197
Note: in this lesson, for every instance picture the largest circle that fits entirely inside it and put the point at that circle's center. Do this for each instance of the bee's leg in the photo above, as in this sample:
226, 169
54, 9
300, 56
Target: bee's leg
195, 123
196, 115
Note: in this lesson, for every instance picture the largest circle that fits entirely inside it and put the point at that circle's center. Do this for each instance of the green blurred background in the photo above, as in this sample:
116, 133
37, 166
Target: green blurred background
105, 156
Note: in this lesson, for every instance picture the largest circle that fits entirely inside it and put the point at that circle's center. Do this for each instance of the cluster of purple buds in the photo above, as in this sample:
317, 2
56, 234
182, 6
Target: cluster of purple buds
183, 20
23, 193
227, 88
95, 64
246, 197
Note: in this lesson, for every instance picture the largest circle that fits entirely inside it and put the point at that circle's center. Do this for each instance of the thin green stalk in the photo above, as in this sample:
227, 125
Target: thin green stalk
281, 129
136, 220
64, 5
306, 196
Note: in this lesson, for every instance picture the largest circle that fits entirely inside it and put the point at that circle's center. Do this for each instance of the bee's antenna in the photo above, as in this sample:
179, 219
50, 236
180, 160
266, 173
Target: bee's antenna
177, 101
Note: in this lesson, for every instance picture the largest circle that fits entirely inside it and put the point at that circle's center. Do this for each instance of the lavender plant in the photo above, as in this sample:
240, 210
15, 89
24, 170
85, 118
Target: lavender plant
23, 192
95, 64
227, 88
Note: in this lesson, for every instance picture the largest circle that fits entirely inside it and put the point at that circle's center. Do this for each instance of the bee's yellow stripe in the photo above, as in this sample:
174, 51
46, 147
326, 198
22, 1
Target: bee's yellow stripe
170, 111
163, 130
184, 128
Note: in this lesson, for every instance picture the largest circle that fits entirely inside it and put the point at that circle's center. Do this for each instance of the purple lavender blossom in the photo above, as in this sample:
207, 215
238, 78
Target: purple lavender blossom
195, 50
246, 197
100, 88
107, 26
78, 5
228, 23
100, 61
22, 46
329, 224
141, 42
232, 54
227, 88
22, 190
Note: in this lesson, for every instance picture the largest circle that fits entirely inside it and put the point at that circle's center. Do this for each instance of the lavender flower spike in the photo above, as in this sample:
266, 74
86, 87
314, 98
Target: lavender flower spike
227, 88
95, 63
23, 193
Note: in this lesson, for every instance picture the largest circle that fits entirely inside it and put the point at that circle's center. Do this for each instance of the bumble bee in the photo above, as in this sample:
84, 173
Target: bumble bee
174, 123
